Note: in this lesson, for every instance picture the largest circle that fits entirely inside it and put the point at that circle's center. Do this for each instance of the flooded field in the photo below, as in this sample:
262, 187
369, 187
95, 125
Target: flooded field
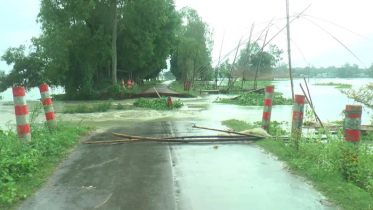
329, 103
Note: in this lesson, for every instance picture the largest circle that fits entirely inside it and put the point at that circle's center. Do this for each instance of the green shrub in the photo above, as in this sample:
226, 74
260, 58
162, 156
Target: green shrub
157, 104
25, 165
256, 99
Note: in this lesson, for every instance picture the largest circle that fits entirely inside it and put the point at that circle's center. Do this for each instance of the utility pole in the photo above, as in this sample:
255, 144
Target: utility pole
289, 54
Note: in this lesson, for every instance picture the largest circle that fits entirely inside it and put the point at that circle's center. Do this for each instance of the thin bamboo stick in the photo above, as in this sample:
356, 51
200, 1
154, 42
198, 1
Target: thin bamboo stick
213, 129
314, 112
178, 140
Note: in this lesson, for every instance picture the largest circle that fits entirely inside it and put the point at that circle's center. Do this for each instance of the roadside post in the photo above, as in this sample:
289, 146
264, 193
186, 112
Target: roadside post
21, 112
296, 126
266, 119
47, 105
169, 101
351, 133
129, 83
123, 86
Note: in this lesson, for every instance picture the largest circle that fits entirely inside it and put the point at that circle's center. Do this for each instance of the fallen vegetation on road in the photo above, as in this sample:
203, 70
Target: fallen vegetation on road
24, 166
255, 99
157, 104
345, 183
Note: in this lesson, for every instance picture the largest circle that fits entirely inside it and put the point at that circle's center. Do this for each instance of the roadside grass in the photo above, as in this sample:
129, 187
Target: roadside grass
347, 183
93, 108
157, 104
179, 88
8, 103
255, 99
25, 166
337, 85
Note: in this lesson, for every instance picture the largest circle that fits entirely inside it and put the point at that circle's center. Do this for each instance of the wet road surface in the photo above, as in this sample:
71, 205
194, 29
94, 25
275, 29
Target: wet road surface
147, 175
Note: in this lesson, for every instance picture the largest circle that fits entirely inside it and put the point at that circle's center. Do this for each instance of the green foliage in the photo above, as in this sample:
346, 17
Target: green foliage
192, 55
24, 165
177, 87
255, 99
157, 104
8, 103
363, 95
84, 108
337, 85
75, 51
345, 181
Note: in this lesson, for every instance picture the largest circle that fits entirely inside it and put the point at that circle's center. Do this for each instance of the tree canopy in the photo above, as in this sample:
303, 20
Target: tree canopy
192, 56
80, 39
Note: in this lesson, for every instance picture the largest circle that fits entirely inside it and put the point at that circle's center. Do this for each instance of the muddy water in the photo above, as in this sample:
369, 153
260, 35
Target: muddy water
328, 100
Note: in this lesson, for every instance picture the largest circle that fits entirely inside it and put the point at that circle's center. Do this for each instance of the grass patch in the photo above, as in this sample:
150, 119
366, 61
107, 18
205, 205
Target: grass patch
157, 104
337, 85
84, 108
24, 166
8, 103
179, 88
345, 183
255, 99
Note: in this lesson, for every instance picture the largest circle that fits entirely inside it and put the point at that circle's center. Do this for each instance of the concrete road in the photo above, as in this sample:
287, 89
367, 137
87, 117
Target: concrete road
161, 88
147, 175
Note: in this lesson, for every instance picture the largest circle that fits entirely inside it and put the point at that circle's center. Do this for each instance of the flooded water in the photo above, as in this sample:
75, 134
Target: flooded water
329, 103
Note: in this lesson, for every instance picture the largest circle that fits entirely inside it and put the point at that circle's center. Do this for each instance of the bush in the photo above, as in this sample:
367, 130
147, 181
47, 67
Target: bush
256, 99
157, 104
24, 165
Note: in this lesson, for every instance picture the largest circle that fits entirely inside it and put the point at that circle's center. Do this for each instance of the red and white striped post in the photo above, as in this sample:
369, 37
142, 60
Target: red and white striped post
133, 82
352, 123
123, 86
296, 127
129, 83
20, 108
47, 105
351, 132
266, 119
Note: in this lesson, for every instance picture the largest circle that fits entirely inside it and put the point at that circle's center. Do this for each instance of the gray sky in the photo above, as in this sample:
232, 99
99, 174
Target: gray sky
234, 18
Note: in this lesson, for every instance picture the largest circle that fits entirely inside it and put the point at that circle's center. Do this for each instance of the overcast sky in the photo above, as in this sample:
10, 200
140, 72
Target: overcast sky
234, 18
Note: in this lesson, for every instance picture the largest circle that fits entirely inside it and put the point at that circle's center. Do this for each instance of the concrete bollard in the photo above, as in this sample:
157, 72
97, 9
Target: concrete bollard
123, 86
129, 83
296, 127
266, 119
169, 101
47, 105
20, 108
352, 123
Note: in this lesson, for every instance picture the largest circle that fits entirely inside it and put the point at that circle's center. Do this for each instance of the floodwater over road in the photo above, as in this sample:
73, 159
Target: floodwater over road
329, 103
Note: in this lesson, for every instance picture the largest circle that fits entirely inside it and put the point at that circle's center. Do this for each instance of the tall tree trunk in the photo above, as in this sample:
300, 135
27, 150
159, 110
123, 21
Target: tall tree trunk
114, 45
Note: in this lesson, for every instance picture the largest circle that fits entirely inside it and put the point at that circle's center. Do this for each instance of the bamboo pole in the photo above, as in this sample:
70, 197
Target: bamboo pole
260, 61
313, 110
289, 54
157, 92
248, 54
217, 73
234, 60
238, 133
308, 90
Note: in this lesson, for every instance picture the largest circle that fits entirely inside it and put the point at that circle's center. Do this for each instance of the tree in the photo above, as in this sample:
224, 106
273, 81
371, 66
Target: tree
83, 43
192, 56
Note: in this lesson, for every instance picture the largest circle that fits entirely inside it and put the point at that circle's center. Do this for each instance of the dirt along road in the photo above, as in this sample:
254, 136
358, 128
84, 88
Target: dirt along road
148, 175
